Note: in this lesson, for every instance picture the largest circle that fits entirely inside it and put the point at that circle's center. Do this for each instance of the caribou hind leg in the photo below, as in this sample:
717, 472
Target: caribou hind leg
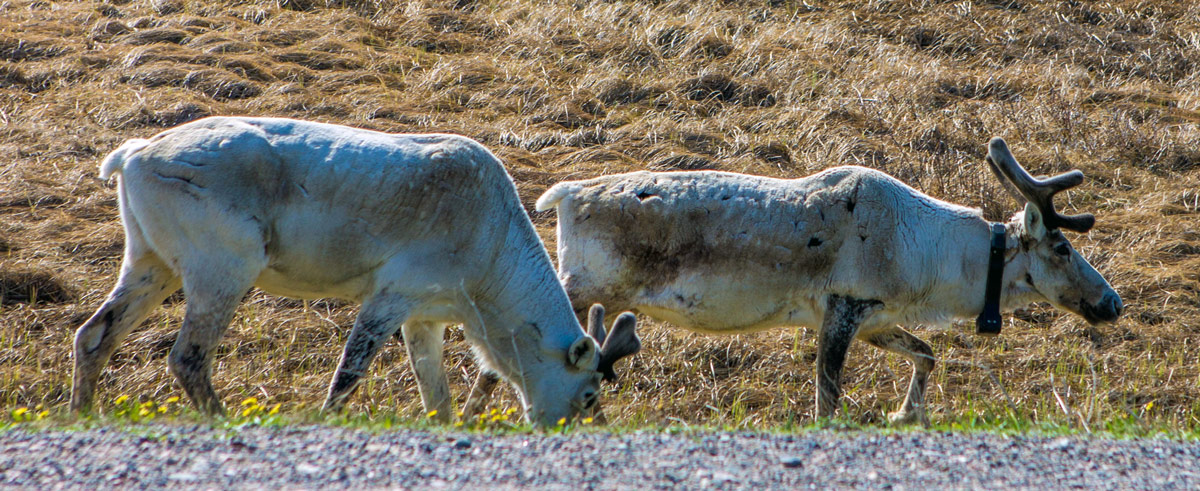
144, 283
843, 316
901, 342
213, 286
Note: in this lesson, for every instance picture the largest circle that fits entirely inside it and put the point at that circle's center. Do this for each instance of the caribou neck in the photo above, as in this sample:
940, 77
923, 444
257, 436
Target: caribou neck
1016, 291
971, 293
989, 321
524, 282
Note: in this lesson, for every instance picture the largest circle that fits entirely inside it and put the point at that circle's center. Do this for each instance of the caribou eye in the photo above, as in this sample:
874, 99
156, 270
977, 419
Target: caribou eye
1062, 249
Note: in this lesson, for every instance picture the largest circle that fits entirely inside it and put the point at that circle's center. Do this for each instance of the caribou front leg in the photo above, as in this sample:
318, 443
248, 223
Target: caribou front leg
843, 316
901, 342
481, 393
378, 319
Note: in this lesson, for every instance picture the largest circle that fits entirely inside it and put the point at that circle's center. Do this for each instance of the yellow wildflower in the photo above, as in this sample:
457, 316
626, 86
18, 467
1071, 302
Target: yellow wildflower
274, 409
250, 401
121, 399
432, 413
172, 399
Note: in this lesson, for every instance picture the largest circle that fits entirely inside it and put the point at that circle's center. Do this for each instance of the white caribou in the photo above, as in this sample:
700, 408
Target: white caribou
850, 251
422, 230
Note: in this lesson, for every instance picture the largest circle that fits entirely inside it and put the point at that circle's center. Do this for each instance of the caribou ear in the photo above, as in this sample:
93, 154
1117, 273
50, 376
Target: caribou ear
621, 342
582, 353
596, 323
1035, 226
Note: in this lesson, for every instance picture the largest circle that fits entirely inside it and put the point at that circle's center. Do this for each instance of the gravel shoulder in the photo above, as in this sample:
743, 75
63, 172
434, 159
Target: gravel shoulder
329, 457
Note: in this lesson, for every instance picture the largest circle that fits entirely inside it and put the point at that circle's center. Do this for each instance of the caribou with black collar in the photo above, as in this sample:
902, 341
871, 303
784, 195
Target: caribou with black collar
850, 251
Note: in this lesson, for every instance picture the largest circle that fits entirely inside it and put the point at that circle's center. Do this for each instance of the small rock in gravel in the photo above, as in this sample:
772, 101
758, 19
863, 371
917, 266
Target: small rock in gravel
307, 469
238, 444
792, 462
721, 477
1059, 444
462, 443
183, 477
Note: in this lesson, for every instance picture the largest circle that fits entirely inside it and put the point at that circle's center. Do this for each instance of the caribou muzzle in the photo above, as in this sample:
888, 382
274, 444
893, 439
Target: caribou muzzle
1107, 310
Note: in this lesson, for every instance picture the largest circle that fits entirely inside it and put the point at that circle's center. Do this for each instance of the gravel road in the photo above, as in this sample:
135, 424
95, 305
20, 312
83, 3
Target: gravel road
326, 457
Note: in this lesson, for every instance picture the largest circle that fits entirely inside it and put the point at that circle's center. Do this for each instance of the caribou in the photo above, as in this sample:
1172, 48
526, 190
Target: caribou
851, 252
422, 230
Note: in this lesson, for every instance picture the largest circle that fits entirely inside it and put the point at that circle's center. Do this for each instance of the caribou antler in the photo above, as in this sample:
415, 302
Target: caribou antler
1040, 192
619, 343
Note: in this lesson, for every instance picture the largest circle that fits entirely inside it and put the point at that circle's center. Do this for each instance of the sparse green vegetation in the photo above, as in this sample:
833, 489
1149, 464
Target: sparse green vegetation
564, 90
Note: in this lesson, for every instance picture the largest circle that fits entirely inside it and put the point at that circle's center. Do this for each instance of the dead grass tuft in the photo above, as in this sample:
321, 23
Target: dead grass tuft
108, 29
443, 21
157, 75
32, 287
12, 76
621, 91
155, 35
220, 84
775, 153
671, 39
247, 67
166, 7
14, 49
672, 161
720, 87
318, 60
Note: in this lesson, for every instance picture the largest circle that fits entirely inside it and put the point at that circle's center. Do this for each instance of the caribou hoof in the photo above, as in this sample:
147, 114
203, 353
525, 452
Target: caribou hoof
905, 418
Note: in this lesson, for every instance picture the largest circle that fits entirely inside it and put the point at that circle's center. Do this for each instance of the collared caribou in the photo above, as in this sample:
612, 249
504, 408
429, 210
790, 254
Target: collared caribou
850, 251
422, 230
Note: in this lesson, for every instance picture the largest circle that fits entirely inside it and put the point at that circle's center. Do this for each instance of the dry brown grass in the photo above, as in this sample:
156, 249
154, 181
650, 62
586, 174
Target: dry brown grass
575, 89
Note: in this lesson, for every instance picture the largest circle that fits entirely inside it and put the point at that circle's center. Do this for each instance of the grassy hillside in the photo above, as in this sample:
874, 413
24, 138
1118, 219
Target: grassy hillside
560, 90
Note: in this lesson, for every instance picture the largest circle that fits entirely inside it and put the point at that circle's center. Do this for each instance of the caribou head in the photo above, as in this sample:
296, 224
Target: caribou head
619, 343
1055, 271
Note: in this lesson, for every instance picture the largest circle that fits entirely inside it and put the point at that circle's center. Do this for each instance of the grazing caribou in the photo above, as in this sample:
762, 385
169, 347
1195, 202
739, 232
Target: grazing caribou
422, 230
850, 251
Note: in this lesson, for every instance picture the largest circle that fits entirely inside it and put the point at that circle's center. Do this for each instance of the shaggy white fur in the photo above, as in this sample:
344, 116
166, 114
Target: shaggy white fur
718, 252
422, 230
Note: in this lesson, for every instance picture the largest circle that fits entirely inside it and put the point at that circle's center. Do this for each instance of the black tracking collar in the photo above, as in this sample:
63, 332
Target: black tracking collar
988, 323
